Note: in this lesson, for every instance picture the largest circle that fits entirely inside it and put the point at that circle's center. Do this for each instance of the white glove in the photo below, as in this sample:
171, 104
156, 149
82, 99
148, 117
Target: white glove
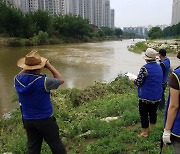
166, 136
132, 78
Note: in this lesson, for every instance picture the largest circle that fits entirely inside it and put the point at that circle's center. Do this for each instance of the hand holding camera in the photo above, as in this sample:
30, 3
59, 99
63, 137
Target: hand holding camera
47, 64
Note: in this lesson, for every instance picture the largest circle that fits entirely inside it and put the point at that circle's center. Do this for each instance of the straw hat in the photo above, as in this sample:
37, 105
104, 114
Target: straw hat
32, 61
150, 54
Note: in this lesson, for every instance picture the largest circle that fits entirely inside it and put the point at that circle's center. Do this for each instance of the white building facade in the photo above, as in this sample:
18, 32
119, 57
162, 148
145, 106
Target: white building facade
98, 12
112, 18
72, 7
141, 31
32, 5
62, 9
88, 10
15, 3
175, 12
106, 13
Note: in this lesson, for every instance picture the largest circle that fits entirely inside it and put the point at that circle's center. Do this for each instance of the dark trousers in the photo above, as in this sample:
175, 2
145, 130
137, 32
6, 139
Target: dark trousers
176, 144
46, 129
162, 103
148, 113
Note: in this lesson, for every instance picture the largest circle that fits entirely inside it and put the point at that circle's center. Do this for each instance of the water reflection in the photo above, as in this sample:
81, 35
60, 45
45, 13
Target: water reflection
80, 64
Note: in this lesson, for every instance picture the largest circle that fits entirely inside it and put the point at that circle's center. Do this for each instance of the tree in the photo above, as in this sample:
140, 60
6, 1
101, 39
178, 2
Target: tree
13, 22
172, 31
108, 31
43, 37
3, 10
155, 33
41, 21
167, 32
118, 32
100, 33
82, 27
29, 29
72, 26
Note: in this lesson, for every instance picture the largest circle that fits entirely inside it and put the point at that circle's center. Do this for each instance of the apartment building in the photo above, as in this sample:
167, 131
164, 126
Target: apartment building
97, 13
88, 10
112, 18
13, 3
175, 12
72, 7
141, 31
106, 13
32, 5
51, 6
62, 8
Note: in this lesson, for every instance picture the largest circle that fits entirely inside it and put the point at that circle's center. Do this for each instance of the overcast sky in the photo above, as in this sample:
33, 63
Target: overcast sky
141, 12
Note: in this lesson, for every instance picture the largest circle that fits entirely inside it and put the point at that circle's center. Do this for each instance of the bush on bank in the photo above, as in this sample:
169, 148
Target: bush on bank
79, 114
140, 47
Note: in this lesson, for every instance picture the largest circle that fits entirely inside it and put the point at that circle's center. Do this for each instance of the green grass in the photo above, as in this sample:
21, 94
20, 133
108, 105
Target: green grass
81, 128
139, 47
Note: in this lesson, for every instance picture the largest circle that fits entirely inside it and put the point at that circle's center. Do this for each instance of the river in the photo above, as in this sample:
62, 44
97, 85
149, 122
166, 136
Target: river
80, 65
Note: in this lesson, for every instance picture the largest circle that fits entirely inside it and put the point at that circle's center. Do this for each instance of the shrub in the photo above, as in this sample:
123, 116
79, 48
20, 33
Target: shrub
16, 42
35, 40
120, 85
43, 37
55, 40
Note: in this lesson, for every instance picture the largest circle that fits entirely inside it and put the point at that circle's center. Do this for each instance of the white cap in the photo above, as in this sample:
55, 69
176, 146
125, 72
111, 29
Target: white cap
150, 54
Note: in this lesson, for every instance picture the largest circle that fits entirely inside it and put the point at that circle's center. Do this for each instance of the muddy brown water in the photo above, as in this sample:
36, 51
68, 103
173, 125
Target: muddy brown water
80, 65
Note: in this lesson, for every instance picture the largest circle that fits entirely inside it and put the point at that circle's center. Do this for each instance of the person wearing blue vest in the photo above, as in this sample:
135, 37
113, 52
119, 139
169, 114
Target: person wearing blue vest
172, 115
149, 83
33, 89
165, 65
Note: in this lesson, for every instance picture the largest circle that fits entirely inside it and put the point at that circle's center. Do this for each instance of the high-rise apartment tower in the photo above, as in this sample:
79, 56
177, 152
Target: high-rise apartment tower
175, 12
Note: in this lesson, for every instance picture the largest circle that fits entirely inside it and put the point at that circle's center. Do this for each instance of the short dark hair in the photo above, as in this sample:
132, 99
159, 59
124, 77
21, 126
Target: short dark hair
162, 52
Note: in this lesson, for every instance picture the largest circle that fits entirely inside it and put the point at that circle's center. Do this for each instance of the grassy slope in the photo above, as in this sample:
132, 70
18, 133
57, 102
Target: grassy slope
119, 136
141, 46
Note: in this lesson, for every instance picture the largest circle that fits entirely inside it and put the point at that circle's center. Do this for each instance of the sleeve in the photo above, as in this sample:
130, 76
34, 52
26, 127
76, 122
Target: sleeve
173, 82
51, 83
141, 76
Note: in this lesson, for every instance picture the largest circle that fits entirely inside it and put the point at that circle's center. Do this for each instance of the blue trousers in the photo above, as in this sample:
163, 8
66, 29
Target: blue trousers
46, 129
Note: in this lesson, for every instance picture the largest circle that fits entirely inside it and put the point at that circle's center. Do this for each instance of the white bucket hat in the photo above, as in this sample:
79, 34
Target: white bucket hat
150, 54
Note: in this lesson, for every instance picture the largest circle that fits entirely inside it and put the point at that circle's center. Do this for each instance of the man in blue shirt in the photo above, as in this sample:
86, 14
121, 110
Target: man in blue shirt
33, 89
165, 65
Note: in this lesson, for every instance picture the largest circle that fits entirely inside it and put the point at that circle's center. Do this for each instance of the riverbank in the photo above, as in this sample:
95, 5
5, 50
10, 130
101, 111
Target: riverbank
172, 46
98, 119
36, 41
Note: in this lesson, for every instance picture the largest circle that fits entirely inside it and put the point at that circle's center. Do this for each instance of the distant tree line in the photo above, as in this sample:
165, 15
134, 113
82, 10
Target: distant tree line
168, 32
40, 24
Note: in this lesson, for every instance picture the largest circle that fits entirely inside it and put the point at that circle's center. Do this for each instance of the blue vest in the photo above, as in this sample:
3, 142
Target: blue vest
151, 88
33, 97
175, 130
166, 62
